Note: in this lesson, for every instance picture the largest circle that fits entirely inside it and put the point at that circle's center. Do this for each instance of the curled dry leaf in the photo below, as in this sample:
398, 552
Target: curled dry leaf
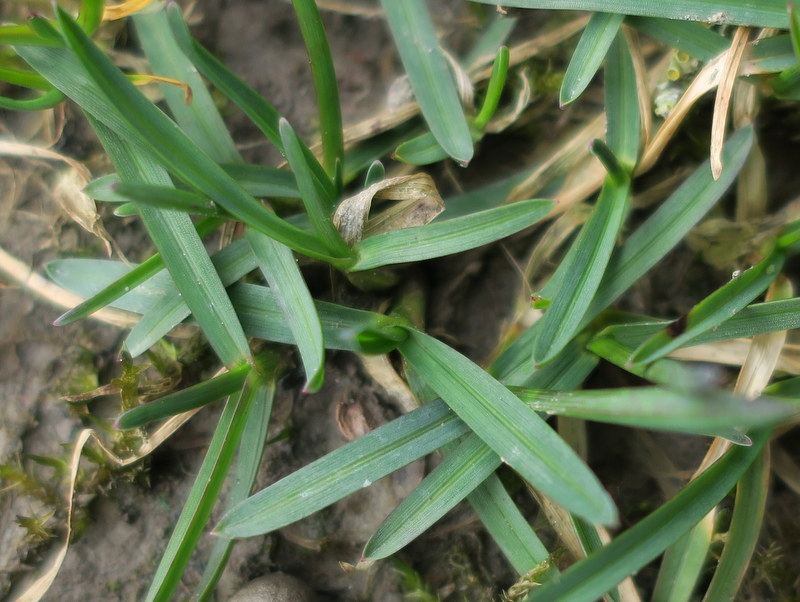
418, 202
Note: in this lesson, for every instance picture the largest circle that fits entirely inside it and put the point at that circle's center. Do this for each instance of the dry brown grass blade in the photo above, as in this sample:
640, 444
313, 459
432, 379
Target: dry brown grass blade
22, 275
68, 187
38, 588
380, 369
730, 68
644, 92
734, 353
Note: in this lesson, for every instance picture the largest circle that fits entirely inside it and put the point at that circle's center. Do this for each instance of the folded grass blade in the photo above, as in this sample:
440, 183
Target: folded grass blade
581, 272
430, 76
494, 89
450, 236
343, 471
514, 432
279, 267
623, 121
590, 578
712, 311
764, 13
589, 54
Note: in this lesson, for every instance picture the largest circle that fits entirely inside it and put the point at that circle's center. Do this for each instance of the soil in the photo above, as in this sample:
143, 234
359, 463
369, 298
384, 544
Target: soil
124, 524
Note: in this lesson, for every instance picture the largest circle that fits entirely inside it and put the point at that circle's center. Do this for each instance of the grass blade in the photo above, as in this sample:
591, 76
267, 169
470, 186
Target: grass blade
102, 90
343, 471
692, 38
200, 119
712, 311
590, 578
279, 267
193, 397
203, 495
126, 284
624, 127
494, 90
319, 55
429, 76
459, 474
700, 412
581, 273
318, 206
589, 54
508, 528
450, 236
248, 460
764, 13
746, 523
514, 432
227, 265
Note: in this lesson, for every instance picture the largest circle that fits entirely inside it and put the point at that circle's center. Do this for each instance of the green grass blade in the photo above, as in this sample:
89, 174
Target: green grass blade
514, 432
494, 90
509, 529
228, 265
752, 320
107, 294
248, 460
160, 197
184, 255
420, 150
701, 412
581, 273
343, 471
682, 565
763, 13
318, 206
589, 54
375, 173
746, 523
193, 397
429, 76
670, 223
451, 236
319, 55
263, 115
279, 267
24, 78
590, 578
692, 38
89, 78
461, 472
623, 129
712, 311
203, 495
200, 119
44, 101
263, 181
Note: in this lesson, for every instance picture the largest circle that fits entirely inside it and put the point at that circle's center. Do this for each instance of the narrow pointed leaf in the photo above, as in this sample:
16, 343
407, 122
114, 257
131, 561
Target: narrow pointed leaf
589, 579
343, 471
588, 56
279, 267
451, 236
692, 38
102, 90
712, 311
513, 431
227, 265
193, 397
429, 75
763, 13
623, 129
582, 271
461, 472
494, 89
203, 495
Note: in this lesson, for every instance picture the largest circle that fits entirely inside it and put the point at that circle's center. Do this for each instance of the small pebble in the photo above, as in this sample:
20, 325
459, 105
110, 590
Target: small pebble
275, 587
